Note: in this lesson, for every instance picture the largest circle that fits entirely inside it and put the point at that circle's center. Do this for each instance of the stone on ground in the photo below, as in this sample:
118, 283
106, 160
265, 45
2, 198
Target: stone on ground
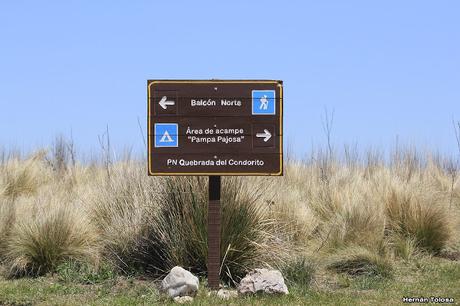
226, 294
183, 299
263, 280
180, 282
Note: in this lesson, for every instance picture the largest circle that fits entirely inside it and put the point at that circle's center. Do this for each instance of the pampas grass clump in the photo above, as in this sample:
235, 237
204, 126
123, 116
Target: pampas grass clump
44, 240
20, 177
420, 216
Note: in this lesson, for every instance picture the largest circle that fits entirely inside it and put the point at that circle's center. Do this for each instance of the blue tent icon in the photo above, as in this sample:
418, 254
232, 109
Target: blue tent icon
166, 135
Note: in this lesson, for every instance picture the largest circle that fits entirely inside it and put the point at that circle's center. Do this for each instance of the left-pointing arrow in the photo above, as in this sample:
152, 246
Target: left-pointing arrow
266, 135
164, 103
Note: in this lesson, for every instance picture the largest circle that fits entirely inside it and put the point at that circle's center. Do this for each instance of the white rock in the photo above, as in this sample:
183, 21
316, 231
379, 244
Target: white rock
263, 280
180, 282
183, 299
227, 294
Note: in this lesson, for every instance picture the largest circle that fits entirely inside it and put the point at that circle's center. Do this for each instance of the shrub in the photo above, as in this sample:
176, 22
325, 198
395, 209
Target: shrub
153, 224
178, 233
349, 212
120, 207
46, 238
23, 177
421, 217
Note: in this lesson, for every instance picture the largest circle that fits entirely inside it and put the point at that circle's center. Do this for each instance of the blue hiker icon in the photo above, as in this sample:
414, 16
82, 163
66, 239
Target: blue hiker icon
263, 102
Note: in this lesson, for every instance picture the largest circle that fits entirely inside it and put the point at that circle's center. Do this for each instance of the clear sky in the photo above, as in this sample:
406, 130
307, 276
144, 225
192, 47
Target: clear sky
388, 69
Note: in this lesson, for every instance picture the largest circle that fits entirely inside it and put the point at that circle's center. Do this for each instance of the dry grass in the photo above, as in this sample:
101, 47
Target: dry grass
120, 207
405, 208
48, 230
23, 177
359, 212
7, 216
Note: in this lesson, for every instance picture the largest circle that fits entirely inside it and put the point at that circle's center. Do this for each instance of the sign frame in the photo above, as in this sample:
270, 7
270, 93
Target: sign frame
150, 125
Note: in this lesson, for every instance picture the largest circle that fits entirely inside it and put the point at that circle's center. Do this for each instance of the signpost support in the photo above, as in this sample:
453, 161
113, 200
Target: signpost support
214, 221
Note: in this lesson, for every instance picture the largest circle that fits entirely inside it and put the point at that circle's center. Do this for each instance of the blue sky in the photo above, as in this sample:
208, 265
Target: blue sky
388, 69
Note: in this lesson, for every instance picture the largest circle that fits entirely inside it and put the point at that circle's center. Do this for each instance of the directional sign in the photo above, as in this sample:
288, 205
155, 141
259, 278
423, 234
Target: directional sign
215, 127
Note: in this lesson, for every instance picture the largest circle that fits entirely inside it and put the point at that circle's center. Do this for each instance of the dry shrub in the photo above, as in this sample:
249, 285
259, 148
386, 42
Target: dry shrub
420, 215
347, 210
286, 205
23, 177
178, 233
46, 233
153, 224
357, 219
120, 207
250, 238
407, 208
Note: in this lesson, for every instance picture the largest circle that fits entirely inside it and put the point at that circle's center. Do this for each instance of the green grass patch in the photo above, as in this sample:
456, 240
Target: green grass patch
83, 273
426, 277
299, 272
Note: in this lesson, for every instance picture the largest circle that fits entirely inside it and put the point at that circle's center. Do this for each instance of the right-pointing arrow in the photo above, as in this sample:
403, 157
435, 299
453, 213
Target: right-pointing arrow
266, 135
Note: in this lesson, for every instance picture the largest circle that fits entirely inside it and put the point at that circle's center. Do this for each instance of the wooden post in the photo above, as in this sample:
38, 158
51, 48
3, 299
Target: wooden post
214, 220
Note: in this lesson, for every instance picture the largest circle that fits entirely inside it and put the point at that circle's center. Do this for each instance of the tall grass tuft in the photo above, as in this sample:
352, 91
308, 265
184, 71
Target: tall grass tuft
154, 224
347, 209
178, 233
250, 238
119, 206
421, 217
48, 236
23, 177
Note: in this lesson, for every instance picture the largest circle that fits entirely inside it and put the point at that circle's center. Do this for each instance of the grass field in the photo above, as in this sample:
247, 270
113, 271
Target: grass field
345, 229
427, 277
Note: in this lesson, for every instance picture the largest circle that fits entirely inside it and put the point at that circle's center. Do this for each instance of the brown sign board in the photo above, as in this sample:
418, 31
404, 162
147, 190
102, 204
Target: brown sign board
215, 127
